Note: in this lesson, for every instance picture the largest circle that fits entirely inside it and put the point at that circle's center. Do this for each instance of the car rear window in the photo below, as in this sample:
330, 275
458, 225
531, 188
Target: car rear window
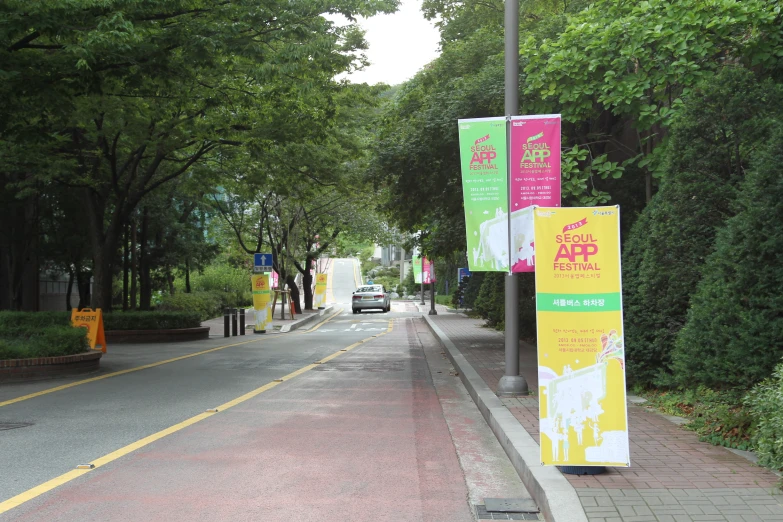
366, 289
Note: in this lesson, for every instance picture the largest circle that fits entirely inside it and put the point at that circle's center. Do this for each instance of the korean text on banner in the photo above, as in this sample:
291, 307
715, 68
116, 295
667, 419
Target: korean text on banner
320, 290
535, 180
581, 358
482, 144
262, 300
93, 321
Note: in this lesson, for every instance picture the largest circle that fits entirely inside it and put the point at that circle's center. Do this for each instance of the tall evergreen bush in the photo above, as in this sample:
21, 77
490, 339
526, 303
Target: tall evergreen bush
711, 141
734, 334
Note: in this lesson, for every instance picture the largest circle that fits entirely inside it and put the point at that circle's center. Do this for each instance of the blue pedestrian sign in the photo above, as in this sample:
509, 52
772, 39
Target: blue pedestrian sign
262, 262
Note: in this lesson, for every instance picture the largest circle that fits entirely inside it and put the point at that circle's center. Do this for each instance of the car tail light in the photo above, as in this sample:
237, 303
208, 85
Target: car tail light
378, 296
357, 297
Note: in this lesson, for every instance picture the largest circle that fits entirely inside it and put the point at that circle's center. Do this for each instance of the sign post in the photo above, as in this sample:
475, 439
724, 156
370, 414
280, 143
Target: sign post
93, 321
581, 354
262, 262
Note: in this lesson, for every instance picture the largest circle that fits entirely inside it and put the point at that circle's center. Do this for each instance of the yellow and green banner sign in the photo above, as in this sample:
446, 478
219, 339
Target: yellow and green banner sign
262, 300
482, 143
320, 290
581, 358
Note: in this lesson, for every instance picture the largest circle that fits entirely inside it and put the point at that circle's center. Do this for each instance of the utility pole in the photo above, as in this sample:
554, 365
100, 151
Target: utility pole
511, 384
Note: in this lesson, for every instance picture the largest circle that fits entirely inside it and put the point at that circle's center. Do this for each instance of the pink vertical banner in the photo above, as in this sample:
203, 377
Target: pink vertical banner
427, 271
535, 180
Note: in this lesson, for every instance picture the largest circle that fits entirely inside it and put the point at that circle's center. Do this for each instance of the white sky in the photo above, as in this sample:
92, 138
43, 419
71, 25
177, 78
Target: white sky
400, 45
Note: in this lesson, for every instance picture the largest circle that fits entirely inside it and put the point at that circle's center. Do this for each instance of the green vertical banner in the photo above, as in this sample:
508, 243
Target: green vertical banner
482, 144
416, 262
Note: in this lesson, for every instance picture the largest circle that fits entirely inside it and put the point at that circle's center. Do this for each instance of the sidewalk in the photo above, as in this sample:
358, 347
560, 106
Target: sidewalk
277, 326
673, 477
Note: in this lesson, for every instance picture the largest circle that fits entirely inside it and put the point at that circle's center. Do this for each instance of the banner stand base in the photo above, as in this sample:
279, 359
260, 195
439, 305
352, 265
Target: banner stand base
512, 386
259, 331
582, 470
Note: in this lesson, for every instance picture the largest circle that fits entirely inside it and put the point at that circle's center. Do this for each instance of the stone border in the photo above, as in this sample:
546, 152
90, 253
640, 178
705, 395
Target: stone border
15, 370
157, 336
555, 496
310, 319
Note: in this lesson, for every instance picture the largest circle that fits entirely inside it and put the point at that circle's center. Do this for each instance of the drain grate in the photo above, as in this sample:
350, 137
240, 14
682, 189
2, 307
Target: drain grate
483, 514
14, 425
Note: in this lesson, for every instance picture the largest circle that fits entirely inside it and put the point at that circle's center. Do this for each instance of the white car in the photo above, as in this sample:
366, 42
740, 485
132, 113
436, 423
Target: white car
369, 297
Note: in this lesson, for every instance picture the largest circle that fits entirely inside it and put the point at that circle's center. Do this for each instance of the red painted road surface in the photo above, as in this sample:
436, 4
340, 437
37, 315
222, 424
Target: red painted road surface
360, 438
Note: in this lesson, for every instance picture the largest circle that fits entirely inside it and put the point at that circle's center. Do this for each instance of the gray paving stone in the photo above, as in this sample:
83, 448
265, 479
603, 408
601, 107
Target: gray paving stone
630, 501
665, 518
605, 501
592, 492
693, 510
708, 518
668, 510
601, 512
640, 519
642, 511
588, 501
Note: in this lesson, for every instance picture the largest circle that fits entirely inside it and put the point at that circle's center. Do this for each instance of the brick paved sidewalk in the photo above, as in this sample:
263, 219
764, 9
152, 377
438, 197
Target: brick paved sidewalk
673, 476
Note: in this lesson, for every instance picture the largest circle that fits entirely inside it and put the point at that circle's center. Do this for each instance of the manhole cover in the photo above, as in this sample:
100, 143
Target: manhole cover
483, 514
13, 425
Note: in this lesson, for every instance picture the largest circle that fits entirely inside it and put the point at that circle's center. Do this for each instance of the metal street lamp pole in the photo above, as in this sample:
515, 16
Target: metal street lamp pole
511, 384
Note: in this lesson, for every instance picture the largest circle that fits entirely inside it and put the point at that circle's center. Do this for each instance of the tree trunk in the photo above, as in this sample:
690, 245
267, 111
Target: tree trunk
307, 283
69, 291
187, 276
170, 280
83, 285
145, 294
134, 266
291, 282
125, 267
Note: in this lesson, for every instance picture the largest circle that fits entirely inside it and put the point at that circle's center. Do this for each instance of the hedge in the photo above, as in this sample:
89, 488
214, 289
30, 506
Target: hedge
151, 320
48, 341
49, 334
207, 304
14, 324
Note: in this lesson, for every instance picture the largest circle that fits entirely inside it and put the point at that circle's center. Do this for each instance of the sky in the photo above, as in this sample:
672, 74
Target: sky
400, 45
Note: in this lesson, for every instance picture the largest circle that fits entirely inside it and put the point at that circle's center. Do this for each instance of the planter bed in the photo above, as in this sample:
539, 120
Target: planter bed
157, 336
35, 368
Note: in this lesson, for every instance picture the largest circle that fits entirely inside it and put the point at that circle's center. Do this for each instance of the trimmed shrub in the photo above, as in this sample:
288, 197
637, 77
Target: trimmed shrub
708, 153
47, 341
472, 289
766, 403
23, 321
206, 304
151, 320
491, 300
734, 334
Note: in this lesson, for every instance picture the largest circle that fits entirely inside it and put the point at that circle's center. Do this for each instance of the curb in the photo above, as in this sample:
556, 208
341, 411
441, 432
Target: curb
313, 319
555, 496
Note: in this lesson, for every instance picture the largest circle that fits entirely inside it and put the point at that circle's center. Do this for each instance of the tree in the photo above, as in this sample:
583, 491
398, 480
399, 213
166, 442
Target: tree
733, 337
129, 94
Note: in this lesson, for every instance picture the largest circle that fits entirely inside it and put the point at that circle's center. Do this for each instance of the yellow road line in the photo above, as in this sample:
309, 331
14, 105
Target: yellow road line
121, 372
49, 485
144, 367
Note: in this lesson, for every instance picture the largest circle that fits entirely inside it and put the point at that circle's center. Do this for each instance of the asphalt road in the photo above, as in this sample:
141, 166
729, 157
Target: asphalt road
362, 435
